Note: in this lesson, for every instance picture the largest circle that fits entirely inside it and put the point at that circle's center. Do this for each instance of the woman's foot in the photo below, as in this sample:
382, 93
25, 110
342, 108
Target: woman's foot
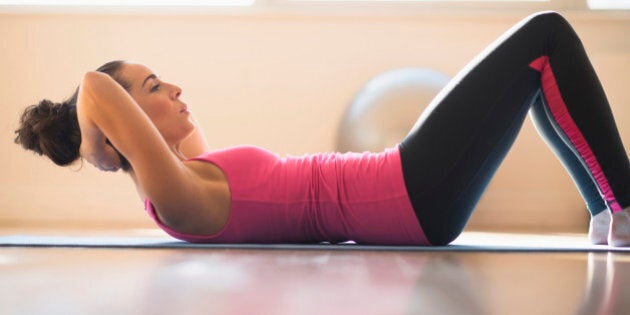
619, 234
599, 228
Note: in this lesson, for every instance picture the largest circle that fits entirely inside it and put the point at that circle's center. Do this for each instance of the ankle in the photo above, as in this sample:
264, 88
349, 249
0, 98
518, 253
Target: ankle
619, 235
599, 228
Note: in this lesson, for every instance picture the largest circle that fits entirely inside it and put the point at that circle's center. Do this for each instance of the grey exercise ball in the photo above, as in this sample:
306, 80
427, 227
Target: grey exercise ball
386, 108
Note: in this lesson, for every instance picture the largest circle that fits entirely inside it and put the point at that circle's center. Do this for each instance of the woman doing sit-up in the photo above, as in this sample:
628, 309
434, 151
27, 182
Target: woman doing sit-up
420, 192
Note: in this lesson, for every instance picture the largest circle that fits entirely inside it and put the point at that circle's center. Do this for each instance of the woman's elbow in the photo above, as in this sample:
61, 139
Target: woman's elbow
92, 79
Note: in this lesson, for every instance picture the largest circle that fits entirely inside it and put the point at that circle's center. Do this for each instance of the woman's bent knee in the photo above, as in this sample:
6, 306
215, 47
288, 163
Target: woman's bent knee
551, 19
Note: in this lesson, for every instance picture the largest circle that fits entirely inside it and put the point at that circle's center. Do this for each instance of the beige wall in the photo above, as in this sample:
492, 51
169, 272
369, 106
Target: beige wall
281, 81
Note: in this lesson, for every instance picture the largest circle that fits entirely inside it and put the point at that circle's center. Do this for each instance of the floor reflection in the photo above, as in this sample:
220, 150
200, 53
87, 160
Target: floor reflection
232, 281
606, 292
306, 282
446, 286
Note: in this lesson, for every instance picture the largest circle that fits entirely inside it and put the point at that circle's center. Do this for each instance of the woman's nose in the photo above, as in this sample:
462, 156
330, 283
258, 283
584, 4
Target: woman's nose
176, 92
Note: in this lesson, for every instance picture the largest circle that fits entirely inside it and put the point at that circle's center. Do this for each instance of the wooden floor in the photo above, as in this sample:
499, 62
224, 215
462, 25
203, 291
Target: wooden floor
233, 281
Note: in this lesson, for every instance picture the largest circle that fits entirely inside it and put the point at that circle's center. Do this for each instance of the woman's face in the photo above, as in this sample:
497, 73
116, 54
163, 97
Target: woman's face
160, 101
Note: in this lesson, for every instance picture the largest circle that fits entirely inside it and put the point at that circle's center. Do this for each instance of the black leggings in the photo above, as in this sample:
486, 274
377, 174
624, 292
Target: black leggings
455, 148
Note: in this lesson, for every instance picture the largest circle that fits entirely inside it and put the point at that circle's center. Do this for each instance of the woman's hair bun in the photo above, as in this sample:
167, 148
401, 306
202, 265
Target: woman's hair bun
51, 129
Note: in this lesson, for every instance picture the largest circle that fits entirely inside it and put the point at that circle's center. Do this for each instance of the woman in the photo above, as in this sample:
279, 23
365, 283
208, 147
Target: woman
420, 192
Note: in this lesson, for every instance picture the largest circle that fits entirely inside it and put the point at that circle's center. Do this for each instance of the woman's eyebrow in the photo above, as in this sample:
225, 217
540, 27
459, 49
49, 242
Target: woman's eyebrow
151, 76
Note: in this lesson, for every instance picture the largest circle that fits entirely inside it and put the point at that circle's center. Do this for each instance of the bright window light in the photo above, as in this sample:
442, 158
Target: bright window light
609, 4
127, 3
405, 1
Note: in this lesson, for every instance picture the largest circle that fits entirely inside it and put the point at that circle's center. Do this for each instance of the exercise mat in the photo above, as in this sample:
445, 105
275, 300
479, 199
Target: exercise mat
468, 241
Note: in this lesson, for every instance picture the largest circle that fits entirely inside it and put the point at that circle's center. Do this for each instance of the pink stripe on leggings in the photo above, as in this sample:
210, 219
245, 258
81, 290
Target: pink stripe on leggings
561, 114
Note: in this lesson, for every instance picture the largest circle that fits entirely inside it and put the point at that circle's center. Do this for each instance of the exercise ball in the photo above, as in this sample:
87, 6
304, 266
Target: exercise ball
386, 108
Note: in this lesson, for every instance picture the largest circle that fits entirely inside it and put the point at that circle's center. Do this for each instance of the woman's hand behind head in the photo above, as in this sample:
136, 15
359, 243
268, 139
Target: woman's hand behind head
104, 157
52, 129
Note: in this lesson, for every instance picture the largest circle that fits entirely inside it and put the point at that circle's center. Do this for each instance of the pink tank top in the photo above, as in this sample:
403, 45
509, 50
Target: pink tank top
330, 197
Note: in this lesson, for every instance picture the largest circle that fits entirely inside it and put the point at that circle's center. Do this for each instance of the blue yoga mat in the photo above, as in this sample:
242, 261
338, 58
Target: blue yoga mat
469, 241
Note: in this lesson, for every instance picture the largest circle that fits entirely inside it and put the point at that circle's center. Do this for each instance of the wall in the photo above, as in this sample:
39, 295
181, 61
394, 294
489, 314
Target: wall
280, 81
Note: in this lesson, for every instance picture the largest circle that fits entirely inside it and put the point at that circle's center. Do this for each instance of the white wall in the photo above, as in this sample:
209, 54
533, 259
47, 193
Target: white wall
281, 81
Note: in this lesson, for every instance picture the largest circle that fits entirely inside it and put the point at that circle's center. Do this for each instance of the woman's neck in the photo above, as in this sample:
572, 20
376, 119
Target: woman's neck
178, 153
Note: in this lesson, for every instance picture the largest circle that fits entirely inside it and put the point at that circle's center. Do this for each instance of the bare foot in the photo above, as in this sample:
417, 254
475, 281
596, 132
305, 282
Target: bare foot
599, 228
620, 229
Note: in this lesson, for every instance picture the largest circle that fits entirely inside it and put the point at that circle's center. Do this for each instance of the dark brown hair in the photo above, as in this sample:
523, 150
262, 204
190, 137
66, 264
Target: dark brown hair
52, 129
